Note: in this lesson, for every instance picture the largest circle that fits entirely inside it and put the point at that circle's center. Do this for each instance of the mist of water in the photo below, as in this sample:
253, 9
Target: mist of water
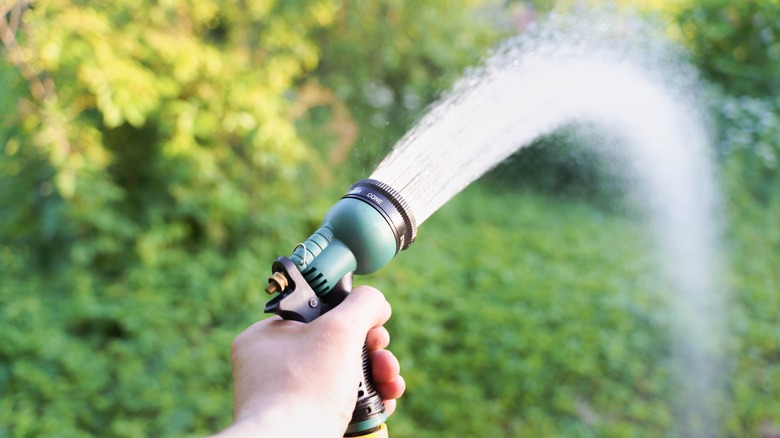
616, 76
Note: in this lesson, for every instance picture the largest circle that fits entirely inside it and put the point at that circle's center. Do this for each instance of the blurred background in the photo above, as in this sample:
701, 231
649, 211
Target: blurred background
156, 156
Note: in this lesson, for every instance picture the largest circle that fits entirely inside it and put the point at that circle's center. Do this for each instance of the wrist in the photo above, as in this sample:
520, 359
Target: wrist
280, 418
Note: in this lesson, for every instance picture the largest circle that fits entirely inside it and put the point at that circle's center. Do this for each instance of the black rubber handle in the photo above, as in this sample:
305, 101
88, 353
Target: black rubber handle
369, 411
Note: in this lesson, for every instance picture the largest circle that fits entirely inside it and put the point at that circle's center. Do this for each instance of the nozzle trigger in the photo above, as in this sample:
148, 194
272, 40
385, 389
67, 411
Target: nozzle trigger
297, 301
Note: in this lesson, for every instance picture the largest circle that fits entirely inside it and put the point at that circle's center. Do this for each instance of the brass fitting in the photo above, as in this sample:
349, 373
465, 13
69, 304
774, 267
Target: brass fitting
276, 283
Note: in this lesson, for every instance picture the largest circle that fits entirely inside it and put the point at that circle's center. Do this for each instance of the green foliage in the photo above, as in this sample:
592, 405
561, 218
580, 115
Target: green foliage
566, 164
401, 56
142, 356
156, 156
143, 147
749, 141
754, 251
737, 44
523, 316
151, 170
163, 115
738, 47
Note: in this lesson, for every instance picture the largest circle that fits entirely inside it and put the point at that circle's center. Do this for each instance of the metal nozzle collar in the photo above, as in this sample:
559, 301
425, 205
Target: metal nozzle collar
391, 205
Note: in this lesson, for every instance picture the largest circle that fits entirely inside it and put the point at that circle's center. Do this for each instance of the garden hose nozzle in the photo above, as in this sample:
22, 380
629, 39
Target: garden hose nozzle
360, 234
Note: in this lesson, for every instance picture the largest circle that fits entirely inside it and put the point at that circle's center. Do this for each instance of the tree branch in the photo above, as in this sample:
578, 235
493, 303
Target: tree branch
41, 85
10, 20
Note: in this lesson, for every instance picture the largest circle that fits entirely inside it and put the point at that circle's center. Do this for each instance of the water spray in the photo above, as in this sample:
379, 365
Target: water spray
360, 234
563, 72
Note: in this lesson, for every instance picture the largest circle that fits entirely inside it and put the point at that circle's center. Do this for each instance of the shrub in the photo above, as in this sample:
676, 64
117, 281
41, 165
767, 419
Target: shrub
749, 144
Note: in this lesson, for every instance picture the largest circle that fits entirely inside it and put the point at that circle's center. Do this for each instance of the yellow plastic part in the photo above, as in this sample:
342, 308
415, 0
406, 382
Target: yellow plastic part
379, 433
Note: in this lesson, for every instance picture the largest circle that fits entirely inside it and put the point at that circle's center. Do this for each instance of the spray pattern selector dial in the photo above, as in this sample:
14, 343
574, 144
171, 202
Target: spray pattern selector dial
389, 203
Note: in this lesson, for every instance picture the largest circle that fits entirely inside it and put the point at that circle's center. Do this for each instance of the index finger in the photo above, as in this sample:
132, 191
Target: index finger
363, 309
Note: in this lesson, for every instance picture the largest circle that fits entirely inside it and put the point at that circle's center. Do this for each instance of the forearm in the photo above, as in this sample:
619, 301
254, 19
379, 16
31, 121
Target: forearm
278, 420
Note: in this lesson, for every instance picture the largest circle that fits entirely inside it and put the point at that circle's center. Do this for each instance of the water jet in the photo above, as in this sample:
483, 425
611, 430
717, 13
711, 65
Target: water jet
564, 71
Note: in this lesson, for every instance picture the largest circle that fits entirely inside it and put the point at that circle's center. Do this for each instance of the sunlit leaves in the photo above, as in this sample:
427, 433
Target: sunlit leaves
138, 192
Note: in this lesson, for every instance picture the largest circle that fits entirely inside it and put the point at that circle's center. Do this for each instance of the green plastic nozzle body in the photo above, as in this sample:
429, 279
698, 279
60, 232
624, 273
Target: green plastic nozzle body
361, 233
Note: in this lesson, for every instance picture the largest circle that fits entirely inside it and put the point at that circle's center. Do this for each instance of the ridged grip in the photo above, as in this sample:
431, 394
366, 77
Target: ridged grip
369, 413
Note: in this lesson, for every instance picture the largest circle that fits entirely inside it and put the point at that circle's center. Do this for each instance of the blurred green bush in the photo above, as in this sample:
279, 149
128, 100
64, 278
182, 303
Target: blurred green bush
749, 144
736, 44
539, 318
387, 61
155, 157
737, 47
144, 146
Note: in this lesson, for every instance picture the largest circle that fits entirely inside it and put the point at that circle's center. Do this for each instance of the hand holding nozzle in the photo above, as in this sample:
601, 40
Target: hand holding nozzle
298, 302
286, 384
360, 234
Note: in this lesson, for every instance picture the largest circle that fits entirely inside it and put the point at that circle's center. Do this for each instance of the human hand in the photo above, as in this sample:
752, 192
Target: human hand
295, 379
